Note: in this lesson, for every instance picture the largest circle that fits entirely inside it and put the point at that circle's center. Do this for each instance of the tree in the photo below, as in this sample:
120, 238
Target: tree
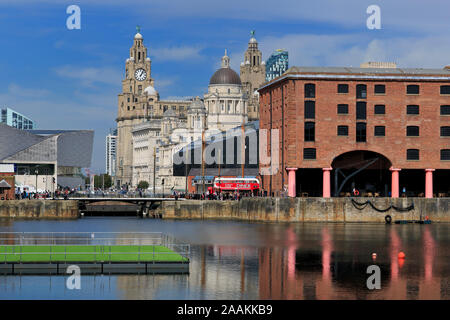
98, 181
143, 185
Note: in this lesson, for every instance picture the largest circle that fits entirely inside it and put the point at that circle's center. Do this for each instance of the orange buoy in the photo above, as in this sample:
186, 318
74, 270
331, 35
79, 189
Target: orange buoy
401, 255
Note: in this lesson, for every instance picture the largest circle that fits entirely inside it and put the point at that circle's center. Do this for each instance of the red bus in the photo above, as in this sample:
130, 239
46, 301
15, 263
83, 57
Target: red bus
235, 184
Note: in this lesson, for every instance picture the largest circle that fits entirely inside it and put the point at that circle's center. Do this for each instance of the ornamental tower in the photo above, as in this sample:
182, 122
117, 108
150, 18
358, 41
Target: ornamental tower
253, 71
131, 110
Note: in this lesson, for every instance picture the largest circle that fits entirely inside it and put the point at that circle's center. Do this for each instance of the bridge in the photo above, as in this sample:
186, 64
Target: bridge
136, 206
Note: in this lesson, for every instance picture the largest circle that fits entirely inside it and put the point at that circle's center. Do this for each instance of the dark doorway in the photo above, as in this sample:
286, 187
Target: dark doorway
309, 182
366, 171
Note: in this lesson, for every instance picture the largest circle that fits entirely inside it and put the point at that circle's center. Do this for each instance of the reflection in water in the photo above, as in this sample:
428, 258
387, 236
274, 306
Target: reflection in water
235, 260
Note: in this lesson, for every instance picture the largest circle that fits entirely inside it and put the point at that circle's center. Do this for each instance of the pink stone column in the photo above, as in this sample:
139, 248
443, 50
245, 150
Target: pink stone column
326, 182
429, 183
291, 182
395, 182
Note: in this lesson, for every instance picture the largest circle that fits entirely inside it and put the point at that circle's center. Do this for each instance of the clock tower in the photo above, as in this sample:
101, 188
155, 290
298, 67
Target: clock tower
131, 108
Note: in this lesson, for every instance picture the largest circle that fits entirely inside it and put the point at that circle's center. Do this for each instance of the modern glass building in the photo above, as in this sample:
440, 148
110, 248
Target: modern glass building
111, 151
277, 64
14, 119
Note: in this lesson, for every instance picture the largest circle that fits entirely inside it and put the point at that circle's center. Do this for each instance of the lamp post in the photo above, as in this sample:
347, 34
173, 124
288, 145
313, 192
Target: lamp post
36, 173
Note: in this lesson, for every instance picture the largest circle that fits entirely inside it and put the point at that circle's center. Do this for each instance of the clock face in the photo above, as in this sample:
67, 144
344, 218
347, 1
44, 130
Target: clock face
140, 74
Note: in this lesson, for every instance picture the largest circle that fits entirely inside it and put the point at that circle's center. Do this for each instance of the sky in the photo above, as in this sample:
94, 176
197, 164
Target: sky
70, 79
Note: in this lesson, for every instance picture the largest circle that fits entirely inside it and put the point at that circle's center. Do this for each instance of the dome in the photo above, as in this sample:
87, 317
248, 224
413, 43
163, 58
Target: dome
138, 36
150, 91
197, 106
169, 113
225, 76
252, 40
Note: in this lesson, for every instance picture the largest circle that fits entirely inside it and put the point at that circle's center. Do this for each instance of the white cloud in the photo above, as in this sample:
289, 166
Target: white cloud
353, 49
182, 53
89, 76
18, 91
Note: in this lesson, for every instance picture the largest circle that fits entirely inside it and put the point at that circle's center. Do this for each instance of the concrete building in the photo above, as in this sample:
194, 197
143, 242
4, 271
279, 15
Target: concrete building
111, 152
253, 73
277, 64
44, 159
381, 131
14, 119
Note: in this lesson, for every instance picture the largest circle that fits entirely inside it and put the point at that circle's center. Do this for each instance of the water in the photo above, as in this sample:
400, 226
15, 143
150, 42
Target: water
238, 260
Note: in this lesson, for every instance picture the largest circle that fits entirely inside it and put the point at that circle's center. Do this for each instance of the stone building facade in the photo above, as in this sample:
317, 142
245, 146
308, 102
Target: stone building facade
138, 102
151, 130
253, 73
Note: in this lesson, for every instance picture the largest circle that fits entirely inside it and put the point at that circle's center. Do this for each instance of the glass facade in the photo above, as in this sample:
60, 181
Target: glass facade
16, 120
277, 64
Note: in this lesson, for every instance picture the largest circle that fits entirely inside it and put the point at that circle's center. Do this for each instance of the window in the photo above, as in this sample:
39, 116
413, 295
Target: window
309, 153
445, 131
412, 131
128, 99
360, 132
445, 154
412, 89
380, 109
342, 88
380, 131
342, 130
412, 109
380, 89
342, 109
310, 109
445, 89
445, 110
174, 107
309, 131
310, 90
360, 110
412, 154
361, 91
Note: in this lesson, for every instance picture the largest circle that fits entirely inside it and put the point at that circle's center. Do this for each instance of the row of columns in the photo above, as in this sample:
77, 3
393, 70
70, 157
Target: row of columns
395, 189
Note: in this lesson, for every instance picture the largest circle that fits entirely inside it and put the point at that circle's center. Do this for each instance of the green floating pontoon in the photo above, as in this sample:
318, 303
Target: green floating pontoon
92, 252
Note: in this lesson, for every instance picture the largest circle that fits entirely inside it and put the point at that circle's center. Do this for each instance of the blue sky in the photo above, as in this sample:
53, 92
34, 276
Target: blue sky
69, 79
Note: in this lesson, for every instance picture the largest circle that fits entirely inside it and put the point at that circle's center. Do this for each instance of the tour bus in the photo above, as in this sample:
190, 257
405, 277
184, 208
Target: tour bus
243, 185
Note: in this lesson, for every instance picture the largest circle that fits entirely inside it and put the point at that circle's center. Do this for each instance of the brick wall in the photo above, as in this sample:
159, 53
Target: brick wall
282, 107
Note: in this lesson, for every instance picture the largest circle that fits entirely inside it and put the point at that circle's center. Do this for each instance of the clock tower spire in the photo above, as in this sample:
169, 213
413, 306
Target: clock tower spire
132, 104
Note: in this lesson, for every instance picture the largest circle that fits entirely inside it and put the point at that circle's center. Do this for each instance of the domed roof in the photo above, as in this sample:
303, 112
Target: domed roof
138, 36
252, 40
169, 113
197, 106
150, 91
225, 76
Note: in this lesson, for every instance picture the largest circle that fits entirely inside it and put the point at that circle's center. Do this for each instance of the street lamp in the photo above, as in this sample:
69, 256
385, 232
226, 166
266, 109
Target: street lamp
36, 173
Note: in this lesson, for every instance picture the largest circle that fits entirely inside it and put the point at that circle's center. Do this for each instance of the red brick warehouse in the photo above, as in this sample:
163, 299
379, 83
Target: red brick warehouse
383, 131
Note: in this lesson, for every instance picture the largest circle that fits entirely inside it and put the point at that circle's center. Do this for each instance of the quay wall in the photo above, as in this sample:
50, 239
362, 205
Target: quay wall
39, 209
307, 209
